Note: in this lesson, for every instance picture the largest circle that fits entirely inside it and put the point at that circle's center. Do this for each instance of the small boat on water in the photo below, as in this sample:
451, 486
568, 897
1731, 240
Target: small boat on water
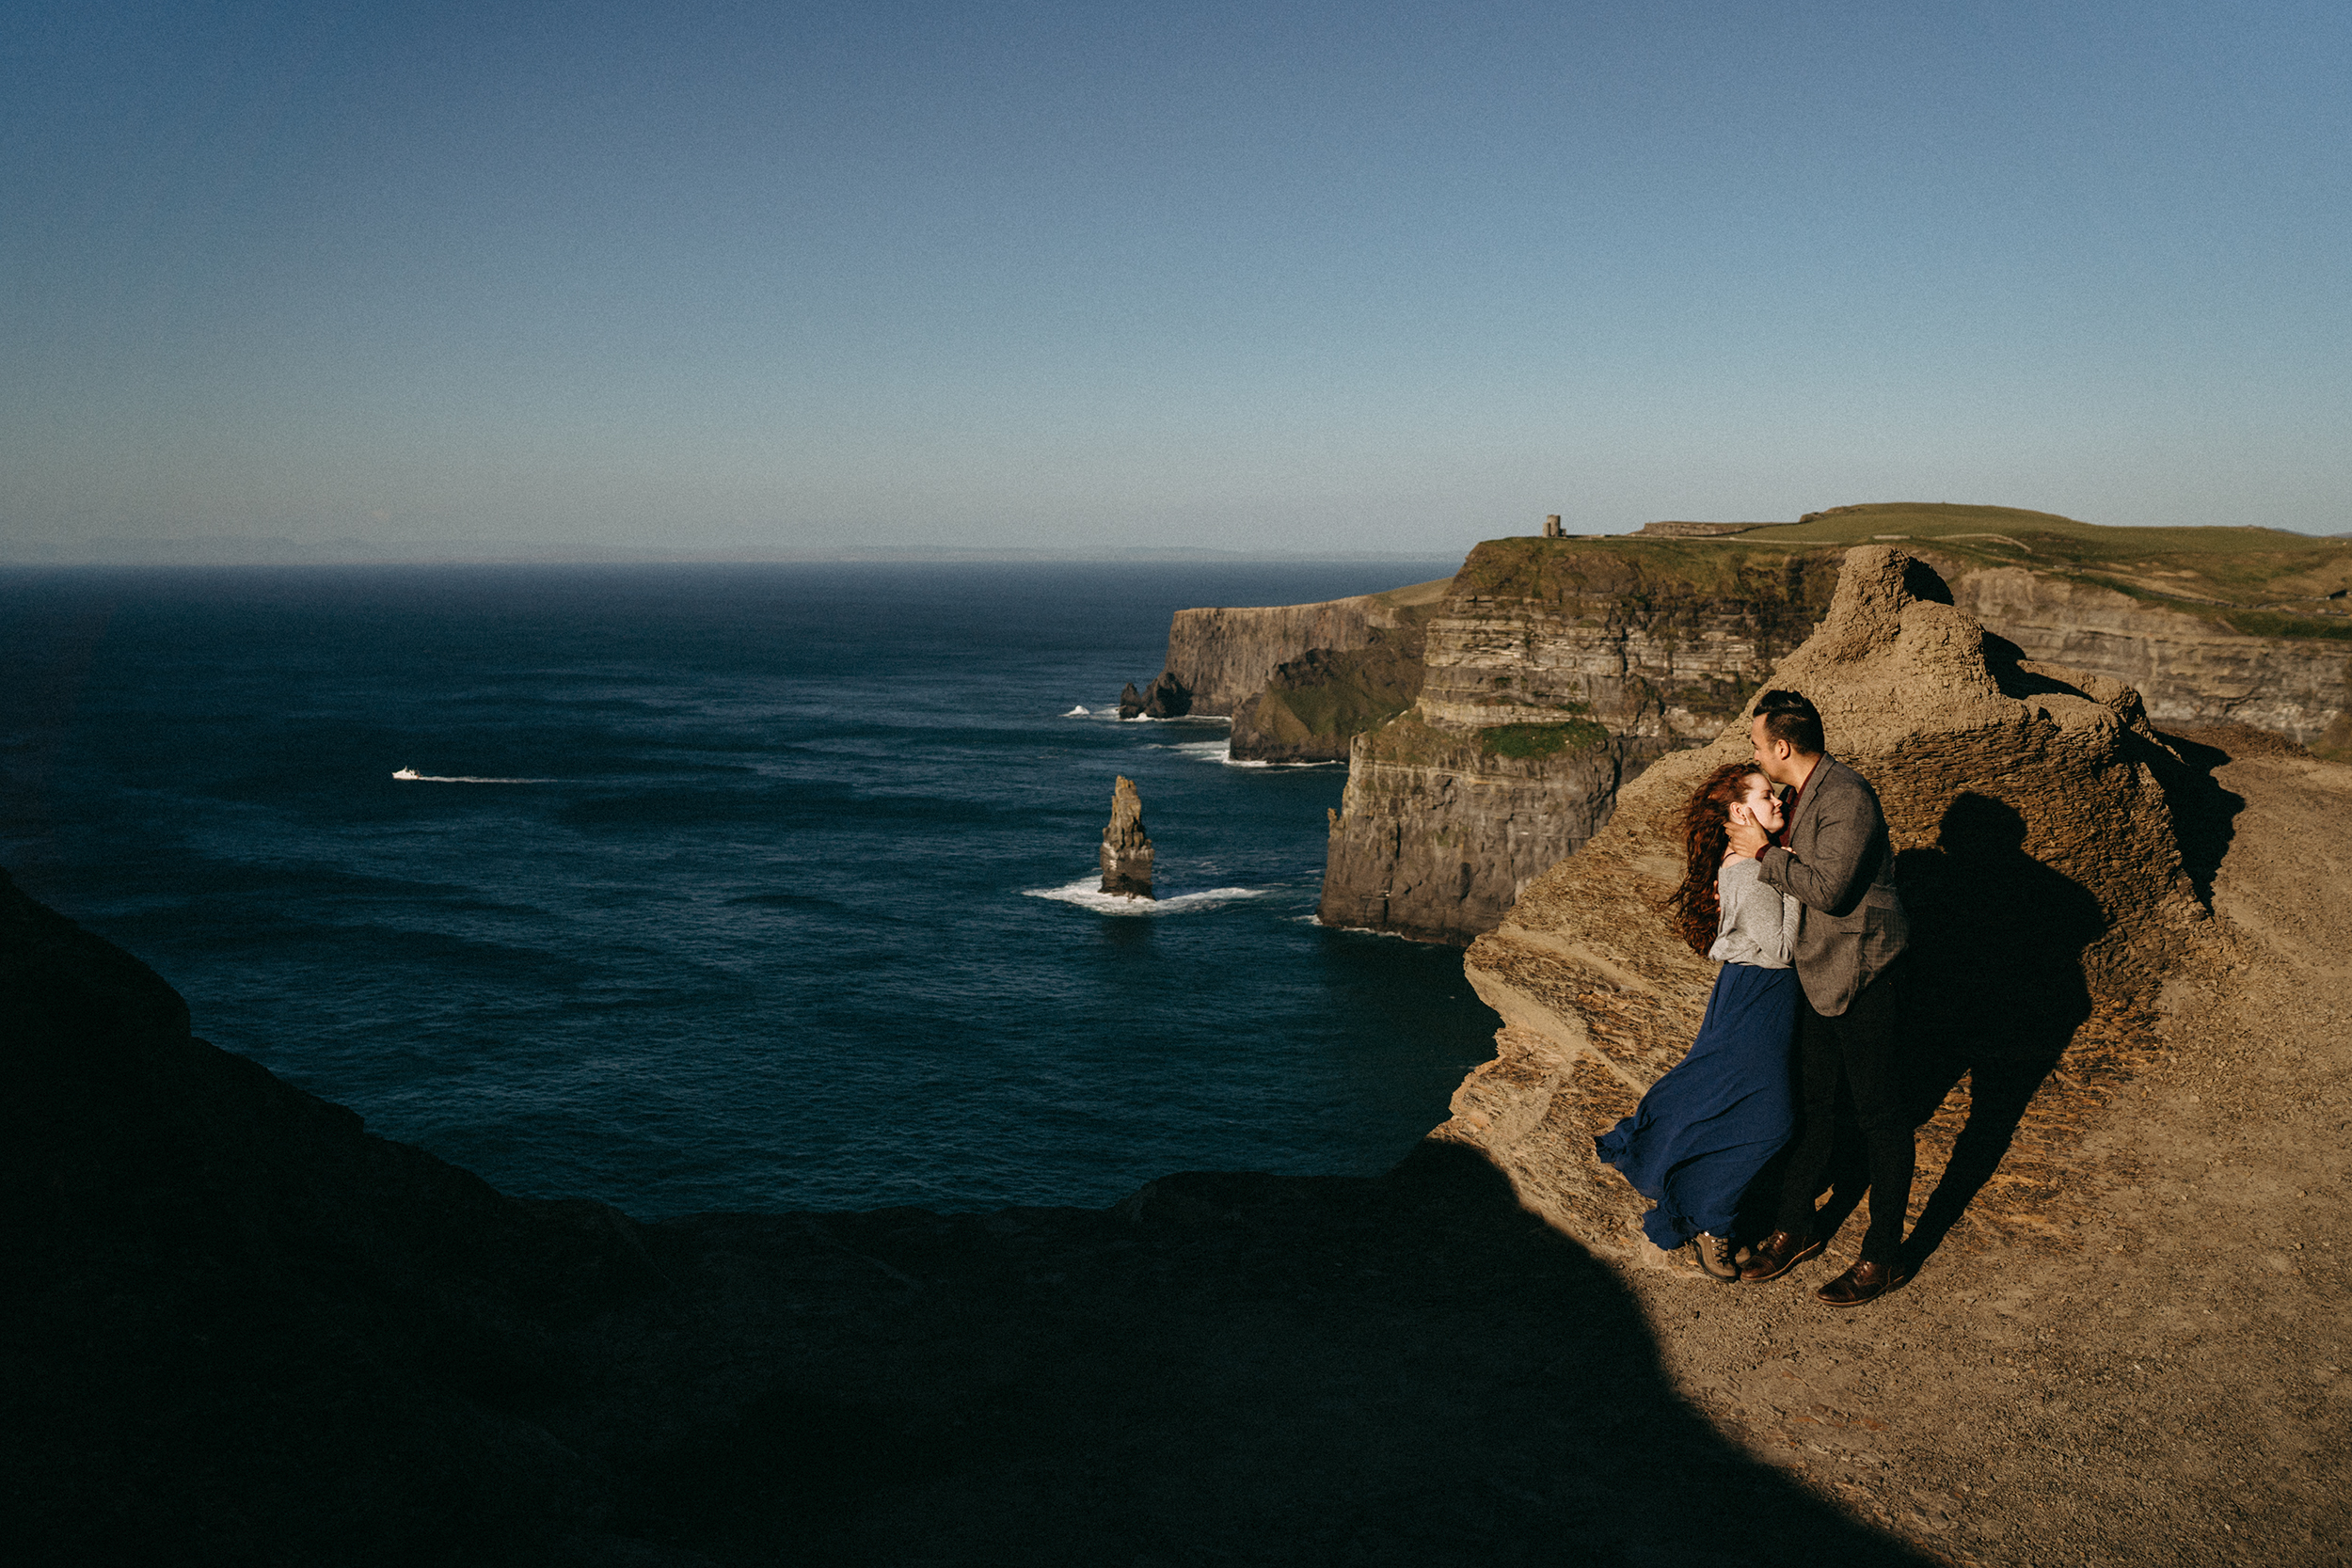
405, 773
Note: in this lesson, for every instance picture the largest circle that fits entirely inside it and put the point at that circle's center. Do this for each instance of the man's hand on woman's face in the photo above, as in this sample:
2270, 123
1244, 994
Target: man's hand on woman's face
1747, 838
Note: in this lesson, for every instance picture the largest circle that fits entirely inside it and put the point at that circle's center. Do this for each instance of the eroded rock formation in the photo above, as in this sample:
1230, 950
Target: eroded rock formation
1127, 852
2027, 808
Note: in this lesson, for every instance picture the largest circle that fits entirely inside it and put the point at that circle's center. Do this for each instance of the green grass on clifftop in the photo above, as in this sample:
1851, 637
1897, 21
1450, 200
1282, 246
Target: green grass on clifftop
2261, 582
1528, 741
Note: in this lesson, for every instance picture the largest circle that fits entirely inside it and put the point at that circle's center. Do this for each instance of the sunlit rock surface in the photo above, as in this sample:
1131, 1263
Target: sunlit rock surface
2035, 846
1127, 852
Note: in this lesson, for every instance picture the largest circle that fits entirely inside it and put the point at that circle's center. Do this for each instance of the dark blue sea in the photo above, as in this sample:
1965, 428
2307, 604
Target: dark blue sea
722, 887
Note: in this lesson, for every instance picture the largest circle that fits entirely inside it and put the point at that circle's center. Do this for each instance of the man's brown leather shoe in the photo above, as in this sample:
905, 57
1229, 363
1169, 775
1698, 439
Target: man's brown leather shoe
1865, 1281
1776, 1254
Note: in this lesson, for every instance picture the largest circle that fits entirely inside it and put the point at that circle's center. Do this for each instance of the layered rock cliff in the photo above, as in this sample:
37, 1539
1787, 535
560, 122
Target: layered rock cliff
1555, 672
2027, 805
1314, 706
2187, 668
1222, 657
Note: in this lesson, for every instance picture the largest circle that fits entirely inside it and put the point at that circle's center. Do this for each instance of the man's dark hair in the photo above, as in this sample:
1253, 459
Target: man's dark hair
1790, 717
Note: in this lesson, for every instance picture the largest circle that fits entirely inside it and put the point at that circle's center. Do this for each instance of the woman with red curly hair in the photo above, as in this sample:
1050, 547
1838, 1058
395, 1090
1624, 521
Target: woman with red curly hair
1703, 1132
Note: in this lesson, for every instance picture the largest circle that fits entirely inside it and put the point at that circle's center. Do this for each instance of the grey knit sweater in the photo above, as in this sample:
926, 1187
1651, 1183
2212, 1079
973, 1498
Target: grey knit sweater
1758, 924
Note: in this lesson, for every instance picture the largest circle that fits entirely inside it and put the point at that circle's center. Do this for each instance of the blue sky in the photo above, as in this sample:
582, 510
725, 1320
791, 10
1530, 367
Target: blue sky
1097, 276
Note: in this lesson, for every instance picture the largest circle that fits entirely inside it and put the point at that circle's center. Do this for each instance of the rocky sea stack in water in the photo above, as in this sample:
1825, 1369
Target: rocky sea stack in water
2037, 855
1165, 698
1127, 852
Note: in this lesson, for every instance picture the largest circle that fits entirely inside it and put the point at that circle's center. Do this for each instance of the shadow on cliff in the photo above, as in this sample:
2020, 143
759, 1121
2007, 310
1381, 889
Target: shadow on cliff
2205, 814
1227, 1368
1996, 988
243, 1330
1993, 992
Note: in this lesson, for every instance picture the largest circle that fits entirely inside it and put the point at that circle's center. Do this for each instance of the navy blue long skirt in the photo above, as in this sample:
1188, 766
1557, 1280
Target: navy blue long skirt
1704, 1130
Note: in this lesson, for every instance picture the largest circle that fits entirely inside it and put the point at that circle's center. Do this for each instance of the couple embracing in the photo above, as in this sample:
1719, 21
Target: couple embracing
1796, 896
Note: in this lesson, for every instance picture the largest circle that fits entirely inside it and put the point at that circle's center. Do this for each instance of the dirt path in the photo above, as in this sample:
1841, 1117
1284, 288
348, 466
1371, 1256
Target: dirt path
2169, 1389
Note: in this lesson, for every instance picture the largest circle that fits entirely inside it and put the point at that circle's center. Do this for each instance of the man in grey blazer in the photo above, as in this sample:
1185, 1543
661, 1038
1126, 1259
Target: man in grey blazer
1834, 858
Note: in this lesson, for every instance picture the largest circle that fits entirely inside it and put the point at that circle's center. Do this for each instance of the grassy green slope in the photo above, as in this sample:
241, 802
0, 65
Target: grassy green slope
2265, 582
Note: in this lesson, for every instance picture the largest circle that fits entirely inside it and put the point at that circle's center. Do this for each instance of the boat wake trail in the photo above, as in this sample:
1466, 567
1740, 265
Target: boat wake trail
409, 775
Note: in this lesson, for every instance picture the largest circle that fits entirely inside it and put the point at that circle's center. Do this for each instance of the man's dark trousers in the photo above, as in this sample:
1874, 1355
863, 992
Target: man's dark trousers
1857, 1046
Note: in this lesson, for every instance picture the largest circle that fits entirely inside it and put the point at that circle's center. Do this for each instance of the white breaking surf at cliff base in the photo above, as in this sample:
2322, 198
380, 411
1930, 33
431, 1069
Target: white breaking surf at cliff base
1222, 750
1089, 895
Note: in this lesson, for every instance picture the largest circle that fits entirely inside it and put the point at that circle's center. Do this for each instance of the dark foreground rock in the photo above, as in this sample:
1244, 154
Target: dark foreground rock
238, 1328
242, 1330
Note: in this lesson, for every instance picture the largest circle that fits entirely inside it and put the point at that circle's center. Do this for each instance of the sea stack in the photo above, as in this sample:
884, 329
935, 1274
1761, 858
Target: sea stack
1166, 698
1126, 853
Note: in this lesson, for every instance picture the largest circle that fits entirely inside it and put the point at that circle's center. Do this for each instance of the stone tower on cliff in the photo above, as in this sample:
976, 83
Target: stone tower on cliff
1127, 852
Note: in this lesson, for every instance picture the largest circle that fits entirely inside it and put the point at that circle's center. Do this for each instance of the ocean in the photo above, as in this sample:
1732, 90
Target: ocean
734, 888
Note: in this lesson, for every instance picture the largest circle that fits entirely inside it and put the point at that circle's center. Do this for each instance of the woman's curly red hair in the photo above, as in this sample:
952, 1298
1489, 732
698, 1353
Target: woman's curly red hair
1706, 835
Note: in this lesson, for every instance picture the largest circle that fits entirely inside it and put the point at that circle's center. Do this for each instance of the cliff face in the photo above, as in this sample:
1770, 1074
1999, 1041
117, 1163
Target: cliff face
2188, 670
1312, 707
1657, 640
1223, 658
2027, 806
1439, 830
1555, 672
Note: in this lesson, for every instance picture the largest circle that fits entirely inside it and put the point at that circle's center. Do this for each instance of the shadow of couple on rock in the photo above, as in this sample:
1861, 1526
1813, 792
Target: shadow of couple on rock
1993, 985
1995, 990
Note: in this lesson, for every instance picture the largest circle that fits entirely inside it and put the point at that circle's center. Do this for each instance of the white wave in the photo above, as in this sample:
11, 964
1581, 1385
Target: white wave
1222, 750
1200, 751
1351, 930
1081, 711
409, 775
1088, 894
